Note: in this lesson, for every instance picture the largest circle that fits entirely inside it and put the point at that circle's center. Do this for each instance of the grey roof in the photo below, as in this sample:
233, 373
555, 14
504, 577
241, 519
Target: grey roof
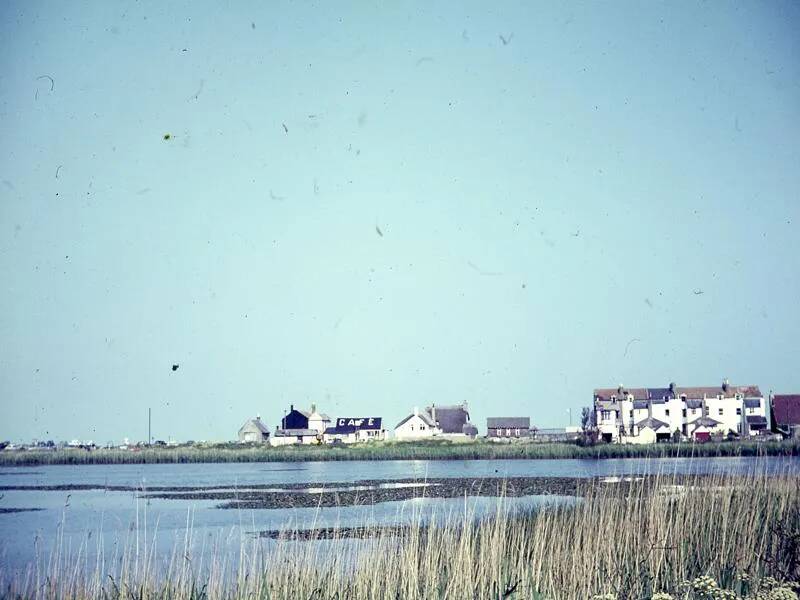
659, 393
295, 432
450, 419
508, 422
426, 418
257, 423
652, 423
752, 402
639, 404
704, 422
693, 403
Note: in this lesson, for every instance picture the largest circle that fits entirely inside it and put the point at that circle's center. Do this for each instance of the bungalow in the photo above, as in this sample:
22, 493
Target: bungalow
286, 437
785, 414
417, 425
253, 431
349, 430
508, 427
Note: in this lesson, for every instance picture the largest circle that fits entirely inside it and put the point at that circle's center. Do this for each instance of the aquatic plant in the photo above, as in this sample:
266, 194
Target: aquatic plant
683, 539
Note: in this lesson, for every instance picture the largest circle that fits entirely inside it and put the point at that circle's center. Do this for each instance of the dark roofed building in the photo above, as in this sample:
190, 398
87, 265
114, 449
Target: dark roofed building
785, 413
450, 419
508, 427
295, 419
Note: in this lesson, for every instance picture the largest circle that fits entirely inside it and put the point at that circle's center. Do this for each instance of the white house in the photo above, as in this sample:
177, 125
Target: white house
349, 430
740, 410
286, 437
301, 427
418, 425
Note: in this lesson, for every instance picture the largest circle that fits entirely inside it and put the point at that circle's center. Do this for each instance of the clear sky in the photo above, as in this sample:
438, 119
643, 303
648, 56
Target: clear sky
608, 193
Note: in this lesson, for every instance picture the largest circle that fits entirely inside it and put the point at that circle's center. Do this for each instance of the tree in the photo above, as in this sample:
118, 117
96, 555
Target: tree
588, 426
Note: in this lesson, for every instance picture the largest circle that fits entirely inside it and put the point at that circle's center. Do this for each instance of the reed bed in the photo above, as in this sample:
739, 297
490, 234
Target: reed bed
698, 537
394, 451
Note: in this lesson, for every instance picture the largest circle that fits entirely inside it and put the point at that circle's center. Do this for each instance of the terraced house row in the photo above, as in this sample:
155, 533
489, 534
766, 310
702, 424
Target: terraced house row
647, 415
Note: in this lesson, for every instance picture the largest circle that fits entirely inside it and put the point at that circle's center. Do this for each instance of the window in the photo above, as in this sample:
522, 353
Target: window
684, 414
631, 414
738, 411
666, 412
720, 410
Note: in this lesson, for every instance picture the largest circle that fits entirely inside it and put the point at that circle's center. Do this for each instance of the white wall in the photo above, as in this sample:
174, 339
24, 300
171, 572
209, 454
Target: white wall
415, 428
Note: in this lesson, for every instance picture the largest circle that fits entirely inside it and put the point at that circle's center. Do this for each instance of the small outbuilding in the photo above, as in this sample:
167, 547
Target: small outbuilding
253, 432
703, 427
650, 431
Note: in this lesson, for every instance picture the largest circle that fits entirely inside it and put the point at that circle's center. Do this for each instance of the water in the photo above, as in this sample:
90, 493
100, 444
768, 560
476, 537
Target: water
103, 522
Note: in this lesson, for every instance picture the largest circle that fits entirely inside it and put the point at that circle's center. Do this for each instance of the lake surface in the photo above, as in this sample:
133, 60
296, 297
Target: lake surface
101, 523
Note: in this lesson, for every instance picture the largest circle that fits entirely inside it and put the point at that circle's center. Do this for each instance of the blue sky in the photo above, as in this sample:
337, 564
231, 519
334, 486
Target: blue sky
608, 194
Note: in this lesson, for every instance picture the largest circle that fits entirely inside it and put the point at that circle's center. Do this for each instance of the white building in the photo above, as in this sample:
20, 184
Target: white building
416, 426
349, 430
286, 437
624, 414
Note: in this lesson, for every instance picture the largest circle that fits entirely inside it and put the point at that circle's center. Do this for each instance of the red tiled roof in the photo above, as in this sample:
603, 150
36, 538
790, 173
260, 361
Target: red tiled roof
786, 409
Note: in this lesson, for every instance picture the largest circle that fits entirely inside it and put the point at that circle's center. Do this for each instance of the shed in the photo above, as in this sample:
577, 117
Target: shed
253, 431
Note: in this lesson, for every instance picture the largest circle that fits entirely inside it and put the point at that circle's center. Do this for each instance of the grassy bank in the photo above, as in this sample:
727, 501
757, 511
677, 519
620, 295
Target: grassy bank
392, 451
624, 542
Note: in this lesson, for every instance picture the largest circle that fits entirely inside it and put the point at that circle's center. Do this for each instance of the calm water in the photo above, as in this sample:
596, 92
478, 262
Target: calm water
116, 519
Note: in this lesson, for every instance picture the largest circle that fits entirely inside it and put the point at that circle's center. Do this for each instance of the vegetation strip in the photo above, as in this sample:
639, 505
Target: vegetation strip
434, 450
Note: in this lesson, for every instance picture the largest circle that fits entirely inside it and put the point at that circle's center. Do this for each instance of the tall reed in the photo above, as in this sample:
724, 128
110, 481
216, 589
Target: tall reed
629, 539
394, 451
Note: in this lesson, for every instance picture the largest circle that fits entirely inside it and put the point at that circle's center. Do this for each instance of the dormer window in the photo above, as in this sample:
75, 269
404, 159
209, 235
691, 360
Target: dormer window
614, 399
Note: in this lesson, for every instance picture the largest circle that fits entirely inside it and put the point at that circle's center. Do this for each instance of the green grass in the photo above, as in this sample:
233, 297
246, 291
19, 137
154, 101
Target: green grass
438, 450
